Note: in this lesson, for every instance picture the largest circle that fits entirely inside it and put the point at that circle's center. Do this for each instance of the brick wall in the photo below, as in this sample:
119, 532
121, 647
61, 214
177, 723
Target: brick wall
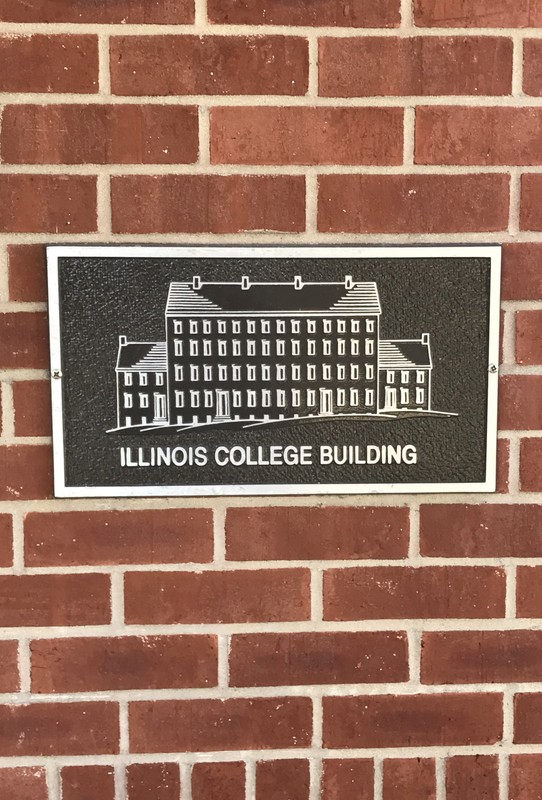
371, 648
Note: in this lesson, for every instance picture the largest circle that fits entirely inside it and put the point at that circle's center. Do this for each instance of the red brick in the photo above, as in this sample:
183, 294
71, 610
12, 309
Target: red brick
225, 780
208, 203
23, 783
287, 779
80, 11
408, 779
531, 200
99, 134
128, 662
481, 656
532, 67
26, 472
155, 536
348, 777
519, 402
47, 203
529, 592
51, 600
419, 65
283, 659
503, 465
43, 63
274, 135
406, 203
32, 401
64, 729
357, 14
472, 778
530, 465
9, 666
6, 540
413, 593
307, 532
182, 65
479, 136
24, 340
27, 272
166, 598
412, 720
88, 783
477, 14
525, 777
234, 724
522, 271
159, 781
529, 337
528, 718
481, 531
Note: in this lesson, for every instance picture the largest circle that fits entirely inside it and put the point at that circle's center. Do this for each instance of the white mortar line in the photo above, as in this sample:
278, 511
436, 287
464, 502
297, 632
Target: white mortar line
104, 74
4, 275
117, 600
407, 17
312, 87
18, 542
508, 338
120, 780
378, 775
414, 656
103, 204
517, 65
317, 595
504, 772
414, 537
511, 591
224, 644
219, 536
409, 136
515, 201
514, 469
315, 769
25, 669
204, 137
52, 773
200, 20
186, 781
250, 779
8, 413
440, 775
311, 201
124, 728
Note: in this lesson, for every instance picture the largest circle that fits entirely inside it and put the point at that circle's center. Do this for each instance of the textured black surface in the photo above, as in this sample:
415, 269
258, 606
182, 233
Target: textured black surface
101, 298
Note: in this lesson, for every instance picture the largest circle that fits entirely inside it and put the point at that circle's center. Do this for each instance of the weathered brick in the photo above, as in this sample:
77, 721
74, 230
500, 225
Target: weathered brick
23, 783
478, 136
233, 596
88, 782
159, 781
287, 779
128, 662
6, 540
32, 404
531, 202
529, 337
528, 718
532, 67
530, 465
160, 12
477, 14
183, 65
276, 659
46, 63
52, 600
481, 531
412, 720
348, 777
529, 592
412, 593
522, 271
26, 472
525, 776
481, 656
406, 203
519, 402
274, 135
99, 134
418, 65
262, 723
225, 780
472, 778
24, 340
47, 203
62, 729
27, 273
155, 536
207, 203
9, 666
308, 532
357, 14
408, 779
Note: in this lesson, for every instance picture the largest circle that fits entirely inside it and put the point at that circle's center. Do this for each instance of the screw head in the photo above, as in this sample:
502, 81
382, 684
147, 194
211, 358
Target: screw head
493, 368
56, 374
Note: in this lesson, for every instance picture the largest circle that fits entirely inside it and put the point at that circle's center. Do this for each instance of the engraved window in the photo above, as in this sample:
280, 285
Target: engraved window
369, 372
354, 372
404, 397
296, 398
281, 327
354, 326
207, 347
194, 399
251, 326
236, 326
251, 347
326, 372
295, 326
179, 372
221, 326
281, 398
266, 347
222, 347
311, 397
280, 347
369, 397
177, 326
341, 347
311, 326
251, 373
341, 372
420, 376
327, 326
354, 347
296, 372
208, 398
143, 379
127, 378
206, 326
266, 398
266, 326
295, 347
178, 345
179, 399
266, 372
193, 326
354, 397
251, 398
369, 347
236, 347
341, 397
222, 373
194, 347
127, 400
326, 347
236, 399
194, 373
311, 372
390, 376
207, 373
311, 347
281, 372
420, 396
159, 379
341, 326
370, 325
236, 372
404, 376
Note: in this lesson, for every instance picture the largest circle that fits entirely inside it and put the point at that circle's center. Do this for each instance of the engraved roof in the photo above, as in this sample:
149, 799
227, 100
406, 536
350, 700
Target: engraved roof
334, 298
404, 354
143, 356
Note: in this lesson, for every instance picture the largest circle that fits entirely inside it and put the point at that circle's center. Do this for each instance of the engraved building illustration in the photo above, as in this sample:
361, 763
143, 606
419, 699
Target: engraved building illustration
253, 351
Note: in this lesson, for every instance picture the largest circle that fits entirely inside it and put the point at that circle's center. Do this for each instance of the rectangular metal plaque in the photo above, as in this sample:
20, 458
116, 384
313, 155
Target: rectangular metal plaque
273, 370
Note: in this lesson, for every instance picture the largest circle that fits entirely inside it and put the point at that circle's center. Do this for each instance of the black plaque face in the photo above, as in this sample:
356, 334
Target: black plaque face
294, 370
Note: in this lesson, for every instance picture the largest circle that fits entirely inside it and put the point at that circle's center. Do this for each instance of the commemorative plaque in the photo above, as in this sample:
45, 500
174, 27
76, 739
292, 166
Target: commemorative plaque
273, 370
